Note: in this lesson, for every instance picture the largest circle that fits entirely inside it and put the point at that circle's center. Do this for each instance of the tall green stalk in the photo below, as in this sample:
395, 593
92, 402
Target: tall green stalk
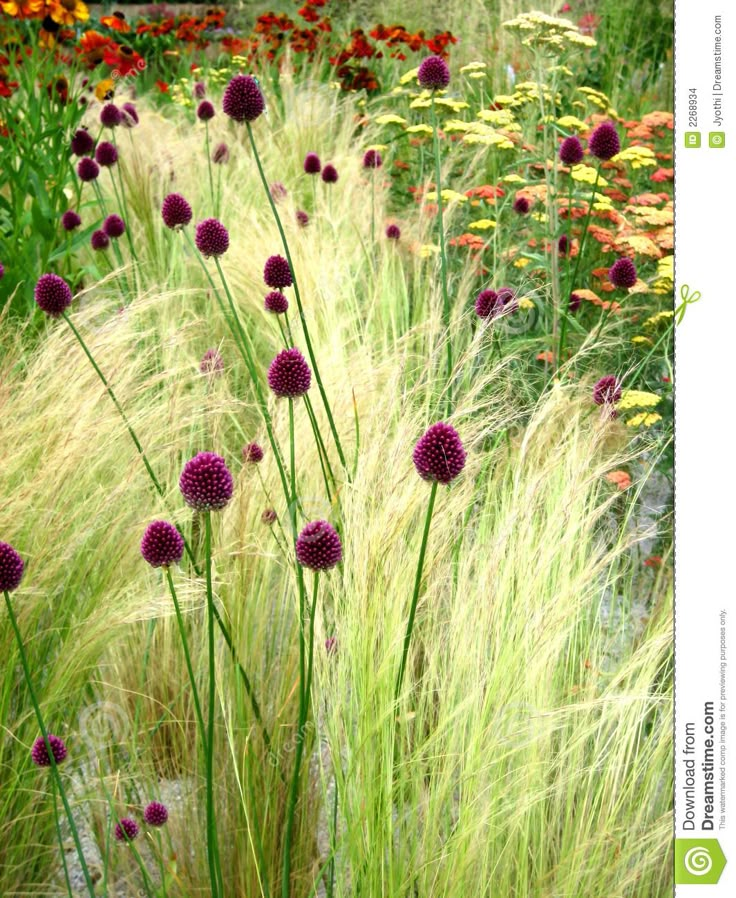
44, 733
417, 587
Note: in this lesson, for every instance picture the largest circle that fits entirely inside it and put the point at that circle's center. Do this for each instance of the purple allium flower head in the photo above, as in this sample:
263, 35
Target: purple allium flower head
126, 830
70, 220
276, 273
331, 645
607, 391
302, 219
329, 173
130, 115
243, 100
252, 453
211, 237
110, 115
622, 273
88, 169
318, 546
312, 164
439, 455
162, 544
487, 304
269, 516
574, 302
52, 294
434, 73
199, 90
205, 111
114, 226
276, 302
206, 483
563, 245
278, 191
221, 154
106, 154
289, 374
507, 295
11, 568
99, 240
176, 211
571, 151
604, 142
40, 753
211, 363
156, 814
521, 205
372, 159
393, 232
82, 143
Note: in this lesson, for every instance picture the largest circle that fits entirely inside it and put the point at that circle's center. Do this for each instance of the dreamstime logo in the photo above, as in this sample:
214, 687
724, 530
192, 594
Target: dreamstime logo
101, 725
698, 861
138, 66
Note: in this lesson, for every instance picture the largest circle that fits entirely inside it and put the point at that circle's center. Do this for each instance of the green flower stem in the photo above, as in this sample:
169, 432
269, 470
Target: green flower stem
209, 166
124, 203
160, 490
417, 586
57, 826
302, 316
42, 727
443, 253
212, 846
187, 657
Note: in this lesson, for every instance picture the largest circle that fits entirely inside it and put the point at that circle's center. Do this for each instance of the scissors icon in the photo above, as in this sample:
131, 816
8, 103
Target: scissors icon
688, 299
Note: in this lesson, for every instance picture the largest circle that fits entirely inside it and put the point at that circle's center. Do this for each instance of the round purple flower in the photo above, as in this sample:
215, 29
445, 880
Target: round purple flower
88, 169
176, 211
329, 173
221, 154
278, 191
439, 455
318, 546
162, 544
11, 568
129, 115
82, 143
243, 100
205, 483
622, 273
276, 273
269, 516
211, 237
289, 374
393, 232
433, 73
106, 154
199, 90
126, 830
521, 205
574, 302
205, 111
563, 245
604, 142
487, 304
571, 151
40, 753
302, 219
114, 226
99, 240
52, 294
252, 453
70, 220
211, 363
507, 295
607, 391
312, 165
372, 159
110, 115
156, 814
276, 302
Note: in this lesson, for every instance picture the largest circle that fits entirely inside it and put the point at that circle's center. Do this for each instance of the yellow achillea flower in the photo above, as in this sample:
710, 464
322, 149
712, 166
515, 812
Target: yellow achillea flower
503, 100
640, 340
637, 399
572, 123
448, 196
513, 179
639, 157
642, 246
482, 224
428, 250
537, 29
390, 119
67, 12
477, 75
501, 118
472, 66
644, 419
659, 318
586, 175
419, 129
449, 103
420, 103
522, 263
409, 76
455, 124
